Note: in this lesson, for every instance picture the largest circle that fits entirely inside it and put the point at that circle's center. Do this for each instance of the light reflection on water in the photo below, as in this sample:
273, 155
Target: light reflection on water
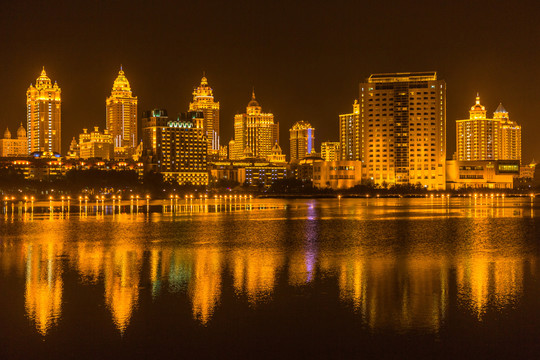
394, 262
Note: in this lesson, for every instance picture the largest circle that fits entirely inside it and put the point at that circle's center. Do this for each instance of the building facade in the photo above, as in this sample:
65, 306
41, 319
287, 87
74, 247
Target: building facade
341, 174
203, 100
43, 114
478, 174
183, 146
350, 134
330, 150
403, 129
121, 109
510, 146
481, 138
95, 144
14, 147
302, 140
154, 122
254, 132
478, 138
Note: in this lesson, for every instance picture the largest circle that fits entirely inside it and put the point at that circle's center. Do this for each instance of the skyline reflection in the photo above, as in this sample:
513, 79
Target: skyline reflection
389, 274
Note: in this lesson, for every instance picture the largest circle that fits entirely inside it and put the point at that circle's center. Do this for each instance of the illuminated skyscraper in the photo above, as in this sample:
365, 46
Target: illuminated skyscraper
510, 135
122, 117
302, 137
43, 109
480, 138
330, 150
349, 134
403, 129
254, 130
183, 156
203, 100
154, 123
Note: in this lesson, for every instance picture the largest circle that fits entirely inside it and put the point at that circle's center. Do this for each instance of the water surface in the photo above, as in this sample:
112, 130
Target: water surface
301, 278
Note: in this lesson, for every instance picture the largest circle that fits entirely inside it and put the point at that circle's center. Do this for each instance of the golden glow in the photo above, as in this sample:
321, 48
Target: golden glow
44, 286
205, 288
254, 273
121, 273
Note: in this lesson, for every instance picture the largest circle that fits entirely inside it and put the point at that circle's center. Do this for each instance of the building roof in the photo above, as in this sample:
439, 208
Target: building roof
501, 109
301, 125
7, 134
21, 131
253, 102
403, 77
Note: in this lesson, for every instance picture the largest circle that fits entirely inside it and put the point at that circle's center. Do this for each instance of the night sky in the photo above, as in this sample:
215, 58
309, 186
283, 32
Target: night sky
304, 58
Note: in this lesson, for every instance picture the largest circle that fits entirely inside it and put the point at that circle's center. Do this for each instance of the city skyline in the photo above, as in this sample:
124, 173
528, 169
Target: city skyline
453, 145
239, 51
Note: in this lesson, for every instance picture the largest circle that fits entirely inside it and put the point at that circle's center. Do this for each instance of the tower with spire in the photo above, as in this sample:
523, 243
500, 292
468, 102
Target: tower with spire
203, 100
121, 108
482, 138
43, 114
254, 130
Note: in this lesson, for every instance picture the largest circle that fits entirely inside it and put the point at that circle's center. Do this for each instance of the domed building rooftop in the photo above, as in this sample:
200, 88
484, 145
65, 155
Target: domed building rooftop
121, 83
21, 131
7, 134
477, 106
43, 80
253, 102
276, 148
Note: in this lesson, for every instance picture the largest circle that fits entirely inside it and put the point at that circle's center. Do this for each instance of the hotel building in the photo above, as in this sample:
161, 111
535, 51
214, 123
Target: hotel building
349, 134
176, 148
13, 147
255, 133
43, 109
510, 135
154, 123
122, 117
203, 100
403, 129
302, 139
480, 138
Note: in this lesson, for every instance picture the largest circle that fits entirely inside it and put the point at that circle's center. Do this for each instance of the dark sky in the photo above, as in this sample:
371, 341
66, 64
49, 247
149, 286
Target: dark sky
304, 58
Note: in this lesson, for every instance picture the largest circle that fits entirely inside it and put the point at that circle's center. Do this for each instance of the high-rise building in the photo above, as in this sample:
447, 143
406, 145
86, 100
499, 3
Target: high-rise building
14, 146
478, 138
43, 109
203, 100
302, 138
403, 129
154, 123
95, 144
330, 150
254, 132
510, 135
349, 134
122, 117
183, 154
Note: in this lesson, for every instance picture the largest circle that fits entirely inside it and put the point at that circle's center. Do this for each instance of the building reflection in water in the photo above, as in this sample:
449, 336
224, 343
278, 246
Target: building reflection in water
255, 272
387, 286
122, 266
43, 287
205, 284
488, 275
